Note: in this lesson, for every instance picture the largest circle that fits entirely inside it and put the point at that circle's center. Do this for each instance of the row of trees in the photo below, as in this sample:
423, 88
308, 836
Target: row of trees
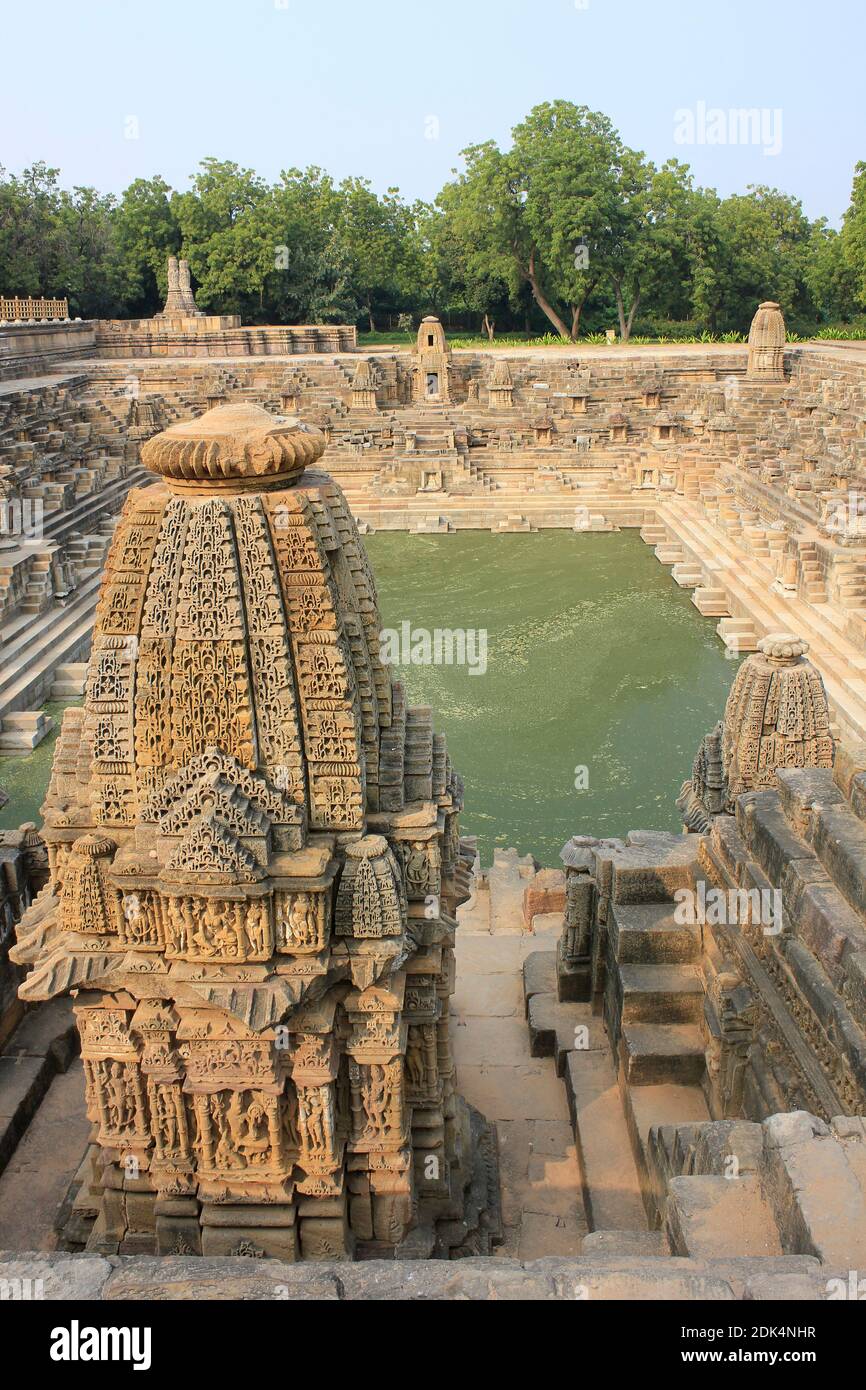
567, 231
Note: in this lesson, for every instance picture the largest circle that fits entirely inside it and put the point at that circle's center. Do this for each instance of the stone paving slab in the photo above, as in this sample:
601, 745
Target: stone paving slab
491, 996
37, 1177
22, 1085
542, 1207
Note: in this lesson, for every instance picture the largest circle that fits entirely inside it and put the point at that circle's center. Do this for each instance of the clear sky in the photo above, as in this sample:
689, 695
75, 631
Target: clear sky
110, 90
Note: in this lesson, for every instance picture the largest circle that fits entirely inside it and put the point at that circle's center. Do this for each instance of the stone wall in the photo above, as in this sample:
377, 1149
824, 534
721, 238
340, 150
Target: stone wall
217, 336
29, 349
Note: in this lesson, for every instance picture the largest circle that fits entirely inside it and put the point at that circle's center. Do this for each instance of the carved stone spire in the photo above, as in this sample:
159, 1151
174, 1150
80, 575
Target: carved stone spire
253, 886
501, 387
767, 337
364, 387
776, 716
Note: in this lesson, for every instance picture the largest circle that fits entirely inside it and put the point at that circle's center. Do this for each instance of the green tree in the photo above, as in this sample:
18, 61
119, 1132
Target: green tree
464, 279
92, 275
650, 256
829, 278
545, 214
853, 237
309, 280
755, 246
147, 233
224, 235
31, 244
373, 235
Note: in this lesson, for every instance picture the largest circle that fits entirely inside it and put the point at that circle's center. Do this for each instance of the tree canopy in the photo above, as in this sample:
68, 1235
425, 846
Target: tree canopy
567, 230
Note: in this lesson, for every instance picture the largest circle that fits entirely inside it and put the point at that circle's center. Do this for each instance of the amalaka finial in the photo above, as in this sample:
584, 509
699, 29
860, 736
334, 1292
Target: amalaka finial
233, 448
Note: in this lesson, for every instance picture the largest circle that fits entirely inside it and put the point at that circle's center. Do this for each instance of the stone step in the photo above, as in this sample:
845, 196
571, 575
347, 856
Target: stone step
633, 1244
669, 553
52, 644
711, 1217
21, 733
539, 975
838, 838
557, 1030
754, 580
69, 680
816, 1180
748, 584
660, 1054
711, 602
508, 877
646, 933
647, 1108
653, 535
770, 836
609, 1177
742, 638
661, 994
687, 575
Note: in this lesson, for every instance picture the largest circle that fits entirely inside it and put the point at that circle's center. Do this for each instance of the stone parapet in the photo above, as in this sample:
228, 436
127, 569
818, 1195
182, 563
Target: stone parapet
217, 336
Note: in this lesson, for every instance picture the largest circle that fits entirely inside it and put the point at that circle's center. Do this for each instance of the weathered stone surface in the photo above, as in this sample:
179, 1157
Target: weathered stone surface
64, 1278
255, 1280
590, 1278
23, 1082
545, 894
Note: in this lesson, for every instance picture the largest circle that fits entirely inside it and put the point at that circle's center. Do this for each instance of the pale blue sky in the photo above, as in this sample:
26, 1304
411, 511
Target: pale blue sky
352, 86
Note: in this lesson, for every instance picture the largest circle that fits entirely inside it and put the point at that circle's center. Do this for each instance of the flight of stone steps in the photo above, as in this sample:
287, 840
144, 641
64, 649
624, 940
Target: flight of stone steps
634, 1063
637, 1057
739, 586
791, 1185
68, 448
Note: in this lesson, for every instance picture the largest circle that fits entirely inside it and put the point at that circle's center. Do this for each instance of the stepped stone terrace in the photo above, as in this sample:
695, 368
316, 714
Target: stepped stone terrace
662, 1056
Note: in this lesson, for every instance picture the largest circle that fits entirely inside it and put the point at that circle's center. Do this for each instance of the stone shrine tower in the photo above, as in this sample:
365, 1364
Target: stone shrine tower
776, 716
255, 871
431, 371
767, 338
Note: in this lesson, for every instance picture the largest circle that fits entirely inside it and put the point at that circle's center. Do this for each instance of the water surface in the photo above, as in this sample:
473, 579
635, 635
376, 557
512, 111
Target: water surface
596, 660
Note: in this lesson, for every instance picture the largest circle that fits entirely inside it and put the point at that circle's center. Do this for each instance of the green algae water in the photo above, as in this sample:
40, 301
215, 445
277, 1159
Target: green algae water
595, 660
601, 679
26, 779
